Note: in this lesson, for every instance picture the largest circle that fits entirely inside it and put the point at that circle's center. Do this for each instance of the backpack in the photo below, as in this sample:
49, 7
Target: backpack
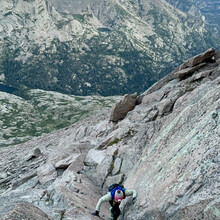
115, 187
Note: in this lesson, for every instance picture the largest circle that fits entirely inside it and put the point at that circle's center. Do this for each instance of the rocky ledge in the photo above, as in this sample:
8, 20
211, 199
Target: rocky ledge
166, 147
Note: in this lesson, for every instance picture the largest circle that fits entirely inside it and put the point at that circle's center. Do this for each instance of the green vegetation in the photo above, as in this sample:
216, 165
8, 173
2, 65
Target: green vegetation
104, 29
62, 23
121, 10
115, 141
8, 13
80, 18
40, 112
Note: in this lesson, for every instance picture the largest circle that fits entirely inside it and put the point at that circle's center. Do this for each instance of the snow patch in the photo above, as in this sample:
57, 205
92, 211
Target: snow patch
88, 84
94, 21
2, 77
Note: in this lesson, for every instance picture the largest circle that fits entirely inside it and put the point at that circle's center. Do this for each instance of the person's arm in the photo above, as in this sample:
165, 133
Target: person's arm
104, 198
131, 193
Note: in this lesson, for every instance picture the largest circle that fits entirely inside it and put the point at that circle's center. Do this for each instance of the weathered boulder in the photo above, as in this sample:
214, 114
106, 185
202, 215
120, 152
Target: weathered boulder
200, 58
165, 106
153, 97
26, 210
64, 163
183, 73
78, 164
190, 66
201, 75
217, 55
116, 166
123, 107
46, 173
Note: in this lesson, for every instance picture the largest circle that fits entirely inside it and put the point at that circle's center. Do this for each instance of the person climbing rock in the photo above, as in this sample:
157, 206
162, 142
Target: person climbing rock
116, 194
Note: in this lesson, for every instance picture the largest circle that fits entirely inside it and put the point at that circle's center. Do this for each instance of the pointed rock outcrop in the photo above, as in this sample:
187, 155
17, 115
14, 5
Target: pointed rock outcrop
200, 58
193, 64
123, 107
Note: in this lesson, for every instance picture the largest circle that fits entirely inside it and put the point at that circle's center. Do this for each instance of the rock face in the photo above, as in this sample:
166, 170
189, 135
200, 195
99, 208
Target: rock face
166, 148
25, 210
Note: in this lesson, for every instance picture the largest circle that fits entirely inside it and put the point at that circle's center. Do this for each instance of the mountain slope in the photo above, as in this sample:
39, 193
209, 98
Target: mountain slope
38, 112
166, 148
95, 47
209, 9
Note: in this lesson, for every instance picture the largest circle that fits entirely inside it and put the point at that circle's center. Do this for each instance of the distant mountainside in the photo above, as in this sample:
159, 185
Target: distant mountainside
208, 8
37, 112
95, 47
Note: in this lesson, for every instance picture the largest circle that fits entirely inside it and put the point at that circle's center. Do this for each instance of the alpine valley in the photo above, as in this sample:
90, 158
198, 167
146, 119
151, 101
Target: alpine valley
104, 47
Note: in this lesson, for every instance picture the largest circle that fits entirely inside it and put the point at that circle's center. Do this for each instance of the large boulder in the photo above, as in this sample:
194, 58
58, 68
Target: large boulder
217, 57
200, 58
25, 210
194, 64
183, 73
123, 107
46, 173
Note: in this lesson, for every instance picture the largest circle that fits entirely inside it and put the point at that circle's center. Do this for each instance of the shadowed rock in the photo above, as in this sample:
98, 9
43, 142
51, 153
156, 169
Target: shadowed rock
183, 73
193, 64
123, 107
198, 59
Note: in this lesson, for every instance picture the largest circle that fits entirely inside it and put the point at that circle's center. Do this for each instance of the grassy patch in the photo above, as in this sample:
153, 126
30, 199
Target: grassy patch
115, 141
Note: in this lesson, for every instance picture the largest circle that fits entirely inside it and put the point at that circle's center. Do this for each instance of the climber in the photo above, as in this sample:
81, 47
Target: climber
116, 194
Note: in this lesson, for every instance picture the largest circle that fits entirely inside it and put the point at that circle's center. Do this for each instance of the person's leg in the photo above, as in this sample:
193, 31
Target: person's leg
111, 203
115, 211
